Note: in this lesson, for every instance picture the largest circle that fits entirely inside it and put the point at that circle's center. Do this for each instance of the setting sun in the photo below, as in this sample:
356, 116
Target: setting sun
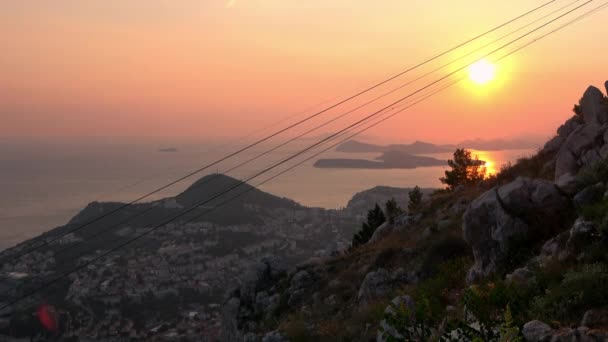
482, 72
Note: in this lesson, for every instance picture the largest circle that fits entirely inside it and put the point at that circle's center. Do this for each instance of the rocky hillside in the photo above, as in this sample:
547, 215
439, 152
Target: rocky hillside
519, 257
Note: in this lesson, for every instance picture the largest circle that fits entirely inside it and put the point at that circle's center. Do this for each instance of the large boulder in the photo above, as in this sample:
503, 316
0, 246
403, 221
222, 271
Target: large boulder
595, 319
593, 107
375, 285
496, 222
381, 232
554, 144
569, 126
574, 152
537, 331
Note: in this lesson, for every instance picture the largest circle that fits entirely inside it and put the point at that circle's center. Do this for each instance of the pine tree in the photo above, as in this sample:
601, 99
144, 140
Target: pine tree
415, 200
466, 170
392, 210
375, 218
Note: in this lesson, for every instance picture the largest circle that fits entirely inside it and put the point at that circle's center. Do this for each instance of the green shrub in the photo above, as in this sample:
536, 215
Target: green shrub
430, 299
593, 174
579, 291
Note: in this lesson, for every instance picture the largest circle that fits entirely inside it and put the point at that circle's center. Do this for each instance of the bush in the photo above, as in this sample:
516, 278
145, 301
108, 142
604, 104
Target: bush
593, 174
535, 166
466, 170
579, 291
577, 109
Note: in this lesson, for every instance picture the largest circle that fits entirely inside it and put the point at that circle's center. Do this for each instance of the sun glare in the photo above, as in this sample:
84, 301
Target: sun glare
482, 72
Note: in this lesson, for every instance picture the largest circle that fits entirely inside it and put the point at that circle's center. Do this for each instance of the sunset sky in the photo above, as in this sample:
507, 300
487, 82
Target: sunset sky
211, 68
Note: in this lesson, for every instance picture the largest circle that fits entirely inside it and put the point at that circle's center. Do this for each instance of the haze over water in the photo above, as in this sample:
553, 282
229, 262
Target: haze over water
45, 184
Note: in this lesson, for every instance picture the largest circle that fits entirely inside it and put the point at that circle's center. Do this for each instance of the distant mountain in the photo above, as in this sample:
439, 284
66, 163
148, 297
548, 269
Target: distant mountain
418, 147
354, 146
391, 159
209, 187
499, 144
421, 147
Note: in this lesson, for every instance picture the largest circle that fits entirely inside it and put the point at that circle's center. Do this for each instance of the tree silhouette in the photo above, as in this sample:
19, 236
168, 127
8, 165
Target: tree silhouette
415, 200
375, 218
465, 171
392, 210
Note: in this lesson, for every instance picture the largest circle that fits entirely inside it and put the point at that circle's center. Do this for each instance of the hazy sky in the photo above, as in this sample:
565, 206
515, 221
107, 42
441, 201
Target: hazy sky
73, 68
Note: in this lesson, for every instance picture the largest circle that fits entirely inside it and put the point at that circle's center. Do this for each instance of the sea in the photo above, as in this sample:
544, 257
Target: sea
43, 184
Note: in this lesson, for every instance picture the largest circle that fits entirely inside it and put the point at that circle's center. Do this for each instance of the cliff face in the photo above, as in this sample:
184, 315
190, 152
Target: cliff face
521, 256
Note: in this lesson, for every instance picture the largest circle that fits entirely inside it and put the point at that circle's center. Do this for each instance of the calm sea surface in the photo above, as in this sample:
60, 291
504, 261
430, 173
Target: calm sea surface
42, 185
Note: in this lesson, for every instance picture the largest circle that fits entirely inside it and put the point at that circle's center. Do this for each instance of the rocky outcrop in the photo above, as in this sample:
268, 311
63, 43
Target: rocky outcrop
498, 220
402, 224
593, 108
581, 148
387, 331
253, 300
583, 139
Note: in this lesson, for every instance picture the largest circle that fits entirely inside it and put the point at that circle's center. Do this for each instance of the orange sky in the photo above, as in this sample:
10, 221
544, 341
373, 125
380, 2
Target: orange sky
72, 68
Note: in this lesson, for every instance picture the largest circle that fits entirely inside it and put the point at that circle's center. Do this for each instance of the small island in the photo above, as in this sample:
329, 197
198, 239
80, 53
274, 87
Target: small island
167, 149
388, 160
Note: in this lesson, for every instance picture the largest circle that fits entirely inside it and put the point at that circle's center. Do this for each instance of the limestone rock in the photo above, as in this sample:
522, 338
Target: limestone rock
497, 219
592, 106
554, 144
572, 152
569, 126
537, 331
388, 331
580, 234
253, 299
381, 232
595, 318
274, 336
567, 183
555, 248
376, 285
